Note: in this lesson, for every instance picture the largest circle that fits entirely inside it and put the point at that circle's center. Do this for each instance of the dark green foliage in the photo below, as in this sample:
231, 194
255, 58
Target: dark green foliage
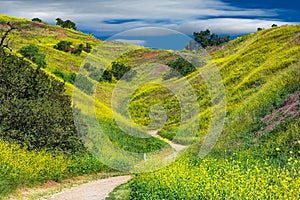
274, 25
206, 39
87, 48
180, 66
69, 24
60, 74
78, 51
119, 70
33, 53
66, 24
59, 22
66, 46
84, 84
259, 29
36, 20
63, 45
107, 76
71, 77
34, 111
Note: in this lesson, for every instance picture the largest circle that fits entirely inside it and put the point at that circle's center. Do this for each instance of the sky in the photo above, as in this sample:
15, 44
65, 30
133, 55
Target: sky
167, 24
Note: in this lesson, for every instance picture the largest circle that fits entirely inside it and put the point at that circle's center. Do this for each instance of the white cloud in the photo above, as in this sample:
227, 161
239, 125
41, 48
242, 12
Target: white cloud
185, 16
233, 26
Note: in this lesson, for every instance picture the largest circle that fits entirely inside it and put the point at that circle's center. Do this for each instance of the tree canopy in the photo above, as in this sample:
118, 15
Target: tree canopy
206, 39
66, 24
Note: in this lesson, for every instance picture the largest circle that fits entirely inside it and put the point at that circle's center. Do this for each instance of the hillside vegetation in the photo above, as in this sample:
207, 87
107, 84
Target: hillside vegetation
257, 153
38, 134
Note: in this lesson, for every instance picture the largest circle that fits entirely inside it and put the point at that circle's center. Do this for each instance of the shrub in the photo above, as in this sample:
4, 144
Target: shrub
33, 53
119, 70
107, 76
77, 51
36, 20
71, 77
63, 45
87, 48
179, 66
206, 39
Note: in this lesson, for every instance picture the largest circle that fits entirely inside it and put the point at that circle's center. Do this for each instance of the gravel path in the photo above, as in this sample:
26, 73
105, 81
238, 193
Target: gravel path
95, 190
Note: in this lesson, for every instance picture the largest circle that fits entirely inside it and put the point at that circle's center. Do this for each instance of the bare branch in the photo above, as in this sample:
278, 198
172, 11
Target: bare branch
11, 28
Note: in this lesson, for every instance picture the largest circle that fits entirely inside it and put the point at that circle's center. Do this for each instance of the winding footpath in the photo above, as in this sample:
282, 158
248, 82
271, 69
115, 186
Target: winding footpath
95, 190
99, 190
176, 147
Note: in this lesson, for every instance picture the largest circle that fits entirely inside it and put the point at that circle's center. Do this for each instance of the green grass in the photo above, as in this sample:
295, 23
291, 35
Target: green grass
21, 167
241, 176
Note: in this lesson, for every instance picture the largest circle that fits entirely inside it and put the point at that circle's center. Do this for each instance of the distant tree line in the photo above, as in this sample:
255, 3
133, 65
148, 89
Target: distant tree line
59, 22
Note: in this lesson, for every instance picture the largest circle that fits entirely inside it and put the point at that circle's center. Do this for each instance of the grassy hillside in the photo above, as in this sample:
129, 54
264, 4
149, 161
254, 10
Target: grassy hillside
257, 155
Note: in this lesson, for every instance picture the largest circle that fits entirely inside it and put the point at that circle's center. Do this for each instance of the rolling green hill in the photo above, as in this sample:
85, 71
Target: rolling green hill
257, 153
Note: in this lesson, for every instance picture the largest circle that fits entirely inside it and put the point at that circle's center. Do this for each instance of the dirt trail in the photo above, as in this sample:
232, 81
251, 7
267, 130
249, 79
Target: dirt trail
176, 147
98, 190
95, 190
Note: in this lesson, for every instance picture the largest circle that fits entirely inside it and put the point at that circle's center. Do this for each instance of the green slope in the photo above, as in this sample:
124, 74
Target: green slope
258, 72
257, 155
